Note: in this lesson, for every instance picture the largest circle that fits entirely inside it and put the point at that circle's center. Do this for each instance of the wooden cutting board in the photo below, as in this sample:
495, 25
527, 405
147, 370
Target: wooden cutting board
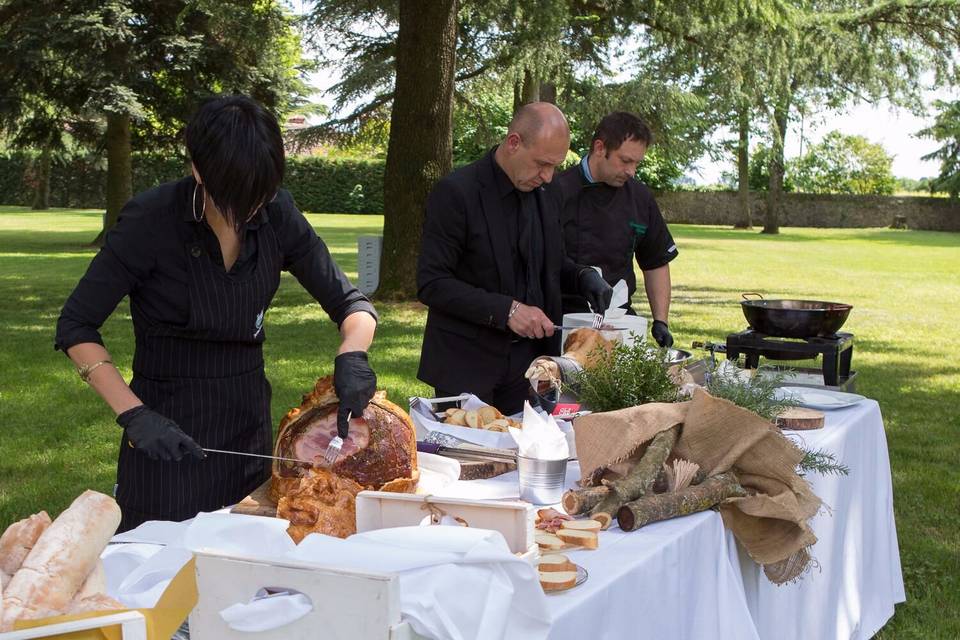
259, 502
801, 419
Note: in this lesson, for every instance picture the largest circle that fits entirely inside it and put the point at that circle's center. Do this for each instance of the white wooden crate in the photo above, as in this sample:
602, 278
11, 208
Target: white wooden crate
512, 518
132, 625
347, 604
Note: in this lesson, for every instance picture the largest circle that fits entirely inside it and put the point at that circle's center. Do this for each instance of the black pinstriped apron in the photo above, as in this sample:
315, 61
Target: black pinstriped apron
208, 377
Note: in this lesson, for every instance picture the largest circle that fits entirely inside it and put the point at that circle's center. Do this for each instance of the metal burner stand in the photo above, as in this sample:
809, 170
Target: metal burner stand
837, 352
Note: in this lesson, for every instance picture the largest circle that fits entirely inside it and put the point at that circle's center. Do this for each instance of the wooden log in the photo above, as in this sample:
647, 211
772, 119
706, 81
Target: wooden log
640, 478
578, 501
664, 506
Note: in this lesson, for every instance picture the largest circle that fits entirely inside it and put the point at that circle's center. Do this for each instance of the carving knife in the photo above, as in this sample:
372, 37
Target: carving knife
317, 463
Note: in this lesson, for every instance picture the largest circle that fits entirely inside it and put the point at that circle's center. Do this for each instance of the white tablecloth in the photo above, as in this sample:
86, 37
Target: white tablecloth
852, 593
671, 579
688, 579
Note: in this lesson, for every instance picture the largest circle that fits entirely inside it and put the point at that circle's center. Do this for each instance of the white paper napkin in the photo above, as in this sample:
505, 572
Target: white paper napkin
541, 437
621, 294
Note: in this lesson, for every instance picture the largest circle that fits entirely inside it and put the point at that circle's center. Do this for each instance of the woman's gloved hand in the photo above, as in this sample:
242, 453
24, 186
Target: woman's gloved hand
355, 383
158, 437
595, 289
661, 333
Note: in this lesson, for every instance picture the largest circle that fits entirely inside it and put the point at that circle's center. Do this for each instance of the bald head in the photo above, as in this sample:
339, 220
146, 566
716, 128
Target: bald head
537, 141
531, 121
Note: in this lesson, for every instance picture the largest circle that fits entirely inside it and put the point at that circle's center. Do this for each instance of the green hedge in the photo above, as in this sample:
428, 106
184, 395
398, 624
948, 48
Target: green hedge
317, 184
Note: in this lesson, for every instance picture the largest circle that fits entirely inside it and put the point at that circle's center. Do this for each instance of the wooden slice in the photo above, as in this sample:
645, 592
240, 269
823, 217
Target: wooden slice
801, 419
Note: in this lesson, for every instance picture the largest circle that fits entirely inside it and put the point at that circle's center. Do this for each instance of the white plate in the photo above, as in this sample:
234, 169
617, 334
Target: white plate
823, 399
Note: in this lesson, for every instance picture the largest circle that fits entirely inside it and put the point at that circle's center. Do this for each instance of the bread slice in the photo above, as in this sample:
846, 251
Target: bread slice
472, 419
585, 539
582, 525
488, 414
558, 580
555, 562
548, 541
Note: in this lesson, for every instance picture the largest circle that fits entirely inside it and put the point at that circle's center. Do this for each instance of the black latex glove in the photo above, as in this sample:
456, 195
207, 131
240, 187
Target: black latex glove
157, 436
661, 333
595, 289
355, 383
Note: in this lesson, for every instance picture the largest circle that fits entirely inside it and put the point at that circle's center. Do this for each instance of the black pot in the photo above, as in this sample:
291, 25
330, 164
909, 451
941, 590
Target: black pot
794, 318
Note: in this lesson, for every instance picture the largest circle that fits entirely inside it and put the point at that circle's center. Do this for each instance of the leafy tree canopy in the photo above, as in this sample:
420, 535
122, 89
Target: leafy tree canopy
845, 164
946, 131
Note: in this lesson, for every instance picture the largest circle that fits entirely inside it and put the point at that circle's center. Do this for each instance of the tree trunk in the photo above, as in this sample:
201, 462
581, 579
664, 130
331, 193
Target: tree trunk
420, 149
41, 194
119, 170
531, 88
775, 191
548, 92
743, 171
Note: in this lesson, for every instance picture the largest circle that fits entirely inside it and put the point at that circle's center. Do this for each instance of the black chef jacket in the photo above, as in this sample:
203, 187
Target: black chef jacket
608, 227
142, 254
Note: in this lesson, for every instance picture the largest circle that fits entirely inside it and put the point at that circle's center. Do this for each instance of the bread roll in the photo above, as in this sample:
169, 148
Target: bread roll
61, 560
18, 539
4, 579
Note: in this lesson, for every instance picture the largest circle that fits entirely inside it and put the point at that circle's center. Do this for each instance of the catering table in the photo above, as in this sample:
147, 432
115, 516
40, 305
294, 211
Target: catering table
853, 590
688, 578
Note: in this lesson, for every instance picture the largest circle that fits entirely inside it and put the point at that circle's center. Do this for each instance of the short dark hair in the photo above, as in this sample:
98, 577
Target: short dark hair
620, 126
237, 148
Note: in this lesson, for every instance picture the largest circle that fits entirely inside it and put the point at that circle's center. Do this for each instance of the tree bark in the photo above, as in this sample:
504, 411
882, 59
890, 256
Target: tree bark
420, 149
577, 501
664, 506
41, 194
743, 171
119, 170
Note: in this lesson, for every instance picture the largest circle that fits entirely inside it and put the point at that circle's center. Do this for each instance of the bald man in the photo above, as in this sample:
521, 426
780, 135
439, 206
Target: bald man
492, 269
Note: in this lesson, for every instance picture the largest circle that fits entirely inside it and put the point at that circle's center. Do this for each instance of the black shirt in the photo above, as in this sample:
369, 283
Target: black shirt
144, 258
608, 226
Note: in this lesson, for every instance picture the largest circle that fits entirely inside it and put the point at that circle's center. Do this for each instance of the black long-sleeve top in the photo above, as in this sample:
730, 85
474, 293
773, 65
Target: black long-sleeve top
143, 257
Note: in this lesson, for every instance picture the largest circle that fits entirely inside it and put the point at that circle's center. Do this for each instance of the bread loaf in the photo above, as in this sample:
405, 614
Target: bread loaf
95, 602
19, 538
96, 582
61, 560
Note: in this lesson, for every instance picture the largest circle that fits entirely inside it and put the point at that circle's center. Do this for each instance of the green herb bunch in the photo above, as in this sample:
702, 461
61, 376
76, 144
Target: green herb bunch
758, 394
629, 376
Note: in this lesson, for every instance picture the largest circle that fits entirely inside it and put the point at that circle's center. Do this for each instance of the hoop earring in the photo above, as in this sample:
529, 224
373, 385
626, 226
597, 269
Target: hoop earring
203, 210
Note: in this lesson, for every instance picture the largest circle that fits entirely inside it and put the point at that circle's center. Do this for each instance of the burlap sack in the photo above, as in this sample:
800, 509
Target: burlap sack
718, 435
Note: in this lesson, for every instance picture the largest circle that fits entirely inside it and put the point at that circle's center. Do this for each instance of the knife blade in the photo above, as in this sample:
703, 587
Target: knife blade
258, 455
460, 452
558, 327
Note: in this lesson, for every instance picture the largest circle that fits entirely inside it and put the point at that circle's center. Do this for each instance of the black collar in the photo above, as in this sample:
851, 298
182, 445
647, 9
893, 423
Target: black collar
500, 178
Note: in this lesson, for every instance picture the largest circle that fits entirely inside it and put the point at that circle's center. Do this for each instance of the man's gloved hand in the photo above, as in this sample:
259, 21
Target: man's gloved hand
157, 436
661, 333
355, 383
595, 289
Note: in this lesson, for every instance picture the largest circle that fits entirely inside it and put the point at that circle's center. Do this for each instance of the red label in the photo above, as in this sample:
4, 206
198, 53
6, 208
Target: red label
565, 410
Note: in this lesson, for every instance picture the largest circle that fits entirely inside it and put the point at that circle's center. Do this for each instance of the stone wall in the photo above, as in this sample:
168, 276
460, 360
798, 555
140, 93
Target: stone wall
812, 210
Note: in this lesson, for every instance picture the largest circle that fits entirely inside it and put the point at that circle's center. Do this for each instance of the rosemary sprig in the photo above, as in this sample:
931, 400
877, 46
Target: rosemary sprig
629, 376
822, 462
758, 394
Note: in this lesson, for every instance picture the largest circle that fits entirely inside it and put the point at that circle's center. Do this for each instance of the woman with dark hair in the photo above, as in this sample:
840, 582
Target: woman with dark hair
200, 259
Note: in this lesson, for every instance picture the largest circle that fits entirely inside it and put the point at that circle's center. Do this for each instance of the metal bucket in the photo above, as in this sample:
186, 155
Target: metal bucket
541, 481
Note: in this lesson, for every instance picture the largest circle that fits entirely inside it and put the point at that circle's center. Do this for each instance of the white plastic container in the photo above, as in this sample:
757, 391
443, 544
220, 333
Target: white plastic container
636, 327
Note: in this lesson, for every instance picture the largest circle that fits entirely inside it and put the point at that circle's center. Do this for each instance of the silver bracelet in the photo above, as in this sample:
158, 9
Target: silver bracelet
513, 310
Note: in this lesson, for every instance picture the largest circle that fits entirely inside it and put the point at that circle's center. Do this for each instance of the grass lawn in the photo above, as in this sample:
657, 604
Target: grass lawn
58, 438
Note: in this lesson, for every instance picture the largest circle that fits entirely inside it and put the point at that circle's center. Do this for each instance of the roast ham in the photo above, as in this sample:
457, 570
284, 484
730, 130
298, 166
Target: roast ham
380, 453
